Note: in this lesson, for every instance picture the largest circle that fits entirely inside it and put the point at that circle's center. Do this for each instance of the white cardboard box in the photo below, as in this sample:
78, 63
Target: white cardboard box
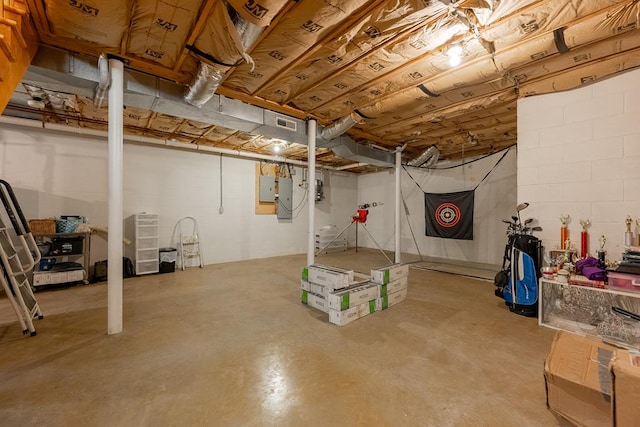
389, 273
387, 301
344, 317
352, 297
393, 286
315, 301
331, 277
314, 288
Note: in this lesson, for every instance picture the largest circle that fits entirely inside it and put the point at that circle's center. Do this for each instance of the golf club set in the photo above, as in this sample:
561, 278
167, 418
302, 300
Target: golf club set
517, 281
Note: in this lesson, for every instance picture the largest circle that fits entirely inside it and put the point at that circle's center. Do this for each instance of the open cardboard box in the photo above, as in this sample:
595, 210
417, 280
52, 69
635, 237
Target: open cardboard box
592, 383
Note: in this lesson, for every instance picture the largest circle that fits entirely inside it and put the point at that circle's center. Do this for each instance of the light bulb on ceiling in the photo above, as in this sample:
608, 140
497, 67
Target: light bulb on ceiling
277, 147
454, 52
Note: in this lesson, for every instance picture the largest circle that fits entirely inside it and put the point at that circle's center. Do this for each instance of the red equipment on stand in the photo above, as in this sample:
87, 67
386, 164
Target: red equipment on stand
359, 218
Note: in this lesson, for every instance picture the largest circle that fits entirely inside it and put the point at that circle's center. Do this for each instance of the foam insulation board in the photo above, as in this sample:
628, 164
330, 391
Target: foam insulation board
158, 28
100, 22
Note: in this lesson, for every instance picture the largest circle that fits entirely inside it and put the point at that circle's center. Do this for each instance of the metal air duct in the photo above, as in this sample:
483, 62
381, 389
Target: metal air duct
209, 76
428, 158
339, 127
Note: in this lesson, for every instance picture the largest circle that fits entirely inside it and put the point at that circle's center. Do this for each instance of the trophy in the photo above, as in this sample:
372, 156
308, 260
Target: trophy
564, 230
584, 237
602, 253
628, 235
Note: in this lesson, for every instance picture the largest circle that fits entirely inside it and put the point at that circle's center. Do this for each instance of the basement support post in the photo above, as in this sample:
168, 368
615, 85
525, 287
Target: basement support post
398, 201
114, 272
311, 182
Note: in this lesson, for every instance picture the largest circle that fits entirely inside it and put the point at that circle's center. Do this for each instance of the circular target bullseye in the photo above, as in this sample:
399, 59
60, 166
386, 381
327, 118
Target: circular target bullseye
447, 215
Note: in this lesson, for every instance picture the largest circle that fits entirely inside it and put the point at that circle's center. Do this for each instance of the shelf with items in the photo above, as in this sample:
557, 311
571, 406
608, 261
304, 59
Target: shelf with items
607, 314
64, 258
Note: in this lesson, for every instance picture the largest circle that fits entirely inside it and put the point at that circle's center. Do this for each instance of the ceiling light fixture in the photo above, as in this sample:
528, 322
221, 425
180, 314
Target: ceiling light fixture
279, 145
454, 52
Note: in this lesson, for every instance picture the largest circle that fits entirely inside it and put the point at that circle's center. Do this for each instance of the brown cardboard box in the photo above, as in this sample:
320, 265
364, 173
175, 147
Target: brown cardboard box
578, 379
625, 370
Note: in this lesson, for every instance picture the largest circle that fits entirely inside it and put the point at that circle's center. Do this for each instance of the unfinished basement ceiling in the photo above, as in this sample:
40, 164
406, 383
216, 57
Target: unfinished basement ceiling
382, 64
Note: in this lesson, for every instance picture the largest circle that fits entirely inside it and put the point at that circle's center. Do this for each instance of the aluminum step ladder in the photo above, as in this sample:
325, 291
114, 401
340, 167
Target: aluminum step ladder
189, 241
17, 264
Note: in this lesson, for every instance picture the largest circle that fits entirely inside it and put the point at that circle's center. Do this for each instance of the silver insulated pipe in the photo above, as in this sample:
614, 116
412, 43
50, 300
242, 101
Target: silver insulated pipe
208, 77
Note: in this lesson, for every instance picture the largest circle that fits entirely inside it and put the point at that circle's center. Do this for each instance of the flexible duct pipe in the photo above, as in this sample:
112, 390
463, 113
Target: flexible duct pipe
208, 77
204, 85
339, 127
428, 157
114, 283
103, 83
311, 182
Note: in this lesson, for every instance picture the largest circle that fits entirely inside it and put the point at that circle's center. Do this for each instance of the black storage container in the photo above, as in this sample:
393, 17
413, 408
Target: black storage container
168, 258
66, 245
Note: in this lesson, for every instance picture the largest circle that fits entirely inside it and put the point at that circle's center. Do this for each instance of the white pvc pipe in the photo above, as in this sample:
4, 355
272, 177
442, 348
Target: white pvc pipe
311, 180
114, 272
398, 201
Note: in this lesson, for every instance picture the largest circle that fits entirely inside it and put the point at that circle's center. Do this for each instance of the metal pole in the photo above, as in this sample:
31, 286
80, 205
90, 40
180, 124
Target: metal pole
114, 284
311, 160
397, 212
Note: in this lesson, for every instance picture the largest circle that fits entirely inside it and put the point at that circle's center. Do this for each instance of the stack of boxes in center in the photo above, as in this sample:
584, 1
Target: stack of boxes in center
347, 296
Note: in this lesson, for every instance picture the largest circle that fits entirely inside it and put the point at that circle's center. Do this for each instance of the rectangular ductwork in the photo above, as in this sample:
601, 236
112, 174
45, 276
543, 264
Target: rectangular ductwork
346, 148
60, 71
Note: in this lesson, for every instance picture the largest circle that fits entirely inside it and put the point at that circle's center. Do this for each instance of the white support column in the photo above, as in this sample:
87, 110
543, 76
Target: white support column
398, 201
114, 284
311, 160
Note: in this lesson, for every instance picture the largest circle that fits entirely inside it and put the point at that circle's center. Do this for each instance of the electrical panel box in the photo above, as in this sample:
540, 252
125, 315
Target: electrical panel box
267, 188
285, 198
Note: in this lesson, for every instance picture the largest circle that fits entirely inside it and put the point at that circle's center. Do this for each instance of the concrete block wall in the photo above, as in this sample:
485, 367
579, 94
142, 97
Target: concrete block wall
579, 154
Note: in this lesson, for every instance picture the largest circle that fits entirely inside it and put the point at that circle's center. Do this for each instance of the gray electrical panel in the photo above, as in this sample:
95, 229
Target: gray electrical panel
285, 198
267, 188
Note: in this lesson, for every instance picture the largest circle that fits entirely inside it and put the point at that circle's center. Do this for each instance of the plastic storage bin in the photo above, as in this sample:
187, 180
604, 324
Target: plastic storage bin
623, 281
168, 258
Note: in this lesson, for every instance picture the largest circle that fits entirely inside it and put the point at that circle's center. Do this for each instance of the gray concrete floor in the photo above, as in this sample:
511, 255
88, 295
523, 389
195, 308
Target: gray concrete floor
231, 345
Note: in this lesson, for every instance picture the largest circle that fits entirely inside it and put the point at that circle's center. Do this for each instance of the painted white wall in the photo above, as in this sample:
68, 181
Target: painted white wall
495, 199
66, 174
579, 154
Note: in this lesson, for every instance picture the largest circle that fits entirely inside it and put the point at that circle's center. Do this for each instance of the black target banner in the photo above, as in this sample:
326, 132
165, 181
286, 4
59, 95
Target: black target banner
449, 215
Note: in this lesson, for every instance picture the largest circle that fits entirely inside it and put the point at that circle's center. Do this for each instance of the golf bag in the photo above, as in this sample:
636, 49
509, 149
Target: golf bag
517, 281
521, 292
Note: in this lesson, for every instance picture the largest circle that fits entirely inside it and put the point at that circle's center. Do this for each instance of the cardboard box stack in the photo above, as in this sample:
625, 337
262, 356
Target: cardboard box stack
592, 383
346, 296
